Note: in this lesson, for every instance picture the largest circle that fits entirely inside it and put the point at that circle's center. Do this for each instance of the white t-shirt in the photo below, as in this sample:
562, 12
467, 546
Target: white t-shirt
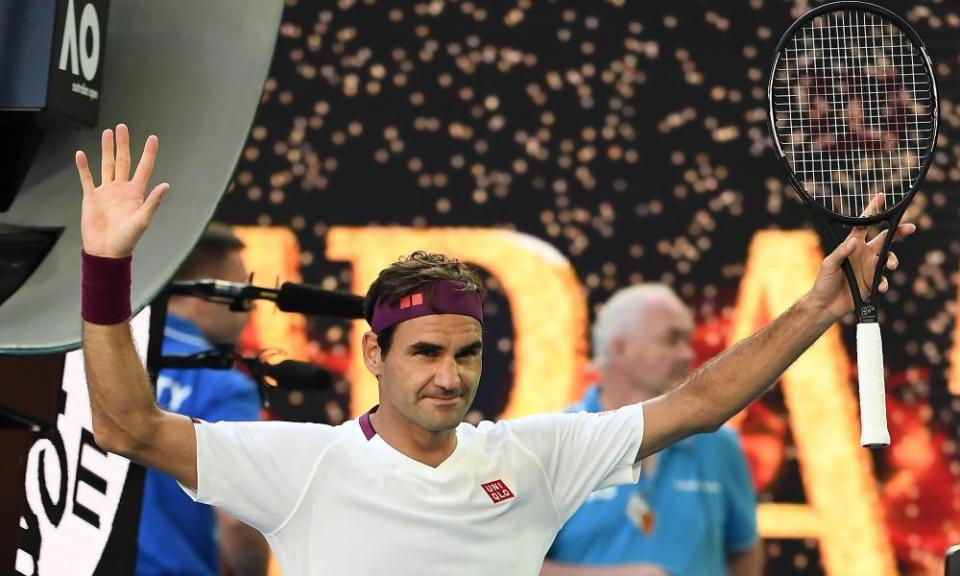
330, 501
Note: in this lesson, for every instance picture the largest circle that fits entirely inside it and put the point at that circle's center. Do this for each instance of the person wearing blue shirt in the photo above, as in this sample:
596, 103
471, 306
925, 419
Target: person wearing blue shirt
178, 536
693, 510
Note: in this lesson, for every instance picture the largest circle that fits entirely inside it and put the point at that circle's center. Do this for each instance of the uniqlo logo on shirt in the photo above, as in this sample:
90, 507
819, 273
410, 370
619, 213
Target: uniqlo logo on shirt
497, 491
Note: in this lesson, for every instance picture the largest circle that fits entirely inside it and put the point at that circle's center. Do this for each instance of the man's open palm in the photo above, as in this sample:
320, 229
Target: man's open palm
116, 213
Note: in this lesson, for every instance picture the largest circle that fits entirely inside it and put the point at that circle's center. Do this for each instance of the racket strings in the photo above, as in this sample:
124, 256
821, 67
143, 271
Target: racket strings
853, 108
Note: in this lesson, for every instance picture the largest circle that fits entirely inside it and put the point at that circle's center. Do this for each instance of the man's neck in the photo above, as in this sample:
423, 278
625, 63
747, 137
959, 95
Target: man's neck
616, 392
180, 308
424, 446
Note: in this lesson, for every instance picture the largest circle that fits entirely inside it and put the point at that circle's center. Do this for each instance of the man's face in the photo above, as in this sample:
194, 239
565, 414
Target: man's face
656, 353
217, 322
431, 373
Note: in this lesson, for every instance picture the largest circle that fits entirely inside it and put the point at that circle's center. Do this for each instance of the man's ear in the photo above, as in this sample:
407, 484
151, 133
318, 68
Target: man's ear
618, 346
371, 353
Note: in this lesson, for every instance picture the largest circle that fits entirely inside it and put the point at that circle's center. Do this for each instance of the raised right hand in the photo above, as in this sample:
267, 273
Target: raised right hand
115, 214
830, 288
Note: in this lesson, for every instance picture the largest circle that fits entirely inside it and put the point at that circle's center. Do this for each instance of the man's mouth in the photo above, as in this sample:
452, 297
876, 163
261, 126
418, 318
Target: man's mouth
443, 400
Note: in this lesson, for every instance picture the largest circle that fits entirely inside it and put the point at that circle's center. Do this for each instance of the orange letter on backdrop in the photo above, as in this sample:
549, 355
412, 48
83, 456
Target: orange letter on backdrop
547, 303
844, 509
953, 380
273, 255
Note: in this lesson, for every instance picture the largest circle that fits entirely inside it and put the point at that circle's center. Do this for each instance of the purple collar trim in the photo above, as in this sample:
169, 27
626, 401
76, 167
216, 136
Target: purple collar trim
366, 425
440, 297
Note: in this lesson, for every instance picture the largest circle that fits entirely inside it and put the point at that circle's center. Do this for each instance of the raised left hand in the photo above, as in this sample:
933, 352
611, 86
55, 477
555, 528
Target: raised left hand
115, 214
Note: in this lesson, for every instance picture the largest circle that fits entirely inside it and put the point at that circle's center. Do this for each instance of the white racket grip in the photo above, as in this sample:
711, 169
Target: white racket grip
873, 407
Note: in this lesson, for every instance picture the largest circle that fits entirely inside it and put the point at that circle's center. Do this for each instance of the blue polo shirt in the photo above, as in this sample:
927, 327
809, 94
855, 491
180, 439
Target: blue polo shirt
701, 506
177, 535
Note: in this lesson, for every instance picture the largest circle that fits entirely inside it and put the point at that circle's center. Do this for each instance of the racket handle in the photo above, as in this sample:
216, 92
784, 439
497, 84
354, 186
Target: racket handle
873, 406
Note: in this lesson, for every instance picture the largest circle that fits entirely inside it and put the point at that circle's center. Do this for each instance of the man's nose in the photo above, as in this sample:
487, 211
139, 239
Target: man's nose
448, 374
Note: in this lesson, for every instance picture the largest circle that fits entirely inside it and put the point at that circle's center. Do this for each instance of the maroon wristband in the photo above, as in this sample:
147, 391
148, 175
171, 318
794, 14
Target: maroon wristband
105, 294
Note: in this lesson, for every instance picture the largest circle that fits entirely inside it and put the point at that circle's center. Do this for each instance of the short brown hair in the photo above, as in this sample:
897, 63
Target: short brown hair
411, 272
217, 242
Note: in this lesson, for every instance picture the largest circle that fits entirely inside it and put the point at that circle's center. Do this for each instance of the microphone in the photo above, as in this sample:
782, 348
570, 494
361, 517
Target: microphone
290, 297
308, 299
295, 375
239, 295
219, 358
287, 375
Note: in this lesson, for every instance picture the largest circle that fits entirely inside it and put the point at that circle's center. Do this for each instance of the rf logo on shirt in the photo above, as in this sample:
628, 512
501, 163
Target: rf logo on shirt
497, 491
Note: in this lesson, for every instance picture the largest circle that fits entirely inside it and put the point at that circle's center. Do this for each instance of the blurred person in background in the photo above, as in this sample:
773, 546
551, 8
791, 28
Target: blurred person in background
178, 536
693, 511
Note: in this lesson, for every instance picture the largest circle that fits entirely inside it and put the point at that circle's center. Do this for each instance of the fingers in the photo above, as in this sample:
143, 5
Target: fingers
892, 261
904, 230
145, 167
877, 241
123, 153
106, 157
874, 207
152, 202
892, 264
83, 168
842, 251
116, 166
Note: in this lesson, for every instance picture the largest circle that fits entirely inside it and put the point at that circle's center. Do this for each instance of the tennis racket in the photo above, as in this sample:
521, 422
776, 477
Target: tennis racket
853, 115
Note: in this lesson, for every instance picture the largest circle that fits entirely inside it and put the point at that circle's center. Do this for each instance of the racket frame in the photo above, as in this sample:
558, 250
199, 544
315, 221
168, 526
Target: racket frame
889, 217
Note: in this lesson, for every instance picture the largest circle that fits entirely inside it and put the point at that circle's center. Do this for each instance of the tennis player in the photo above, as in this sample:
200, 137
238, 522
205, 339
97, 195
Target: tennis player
406, 489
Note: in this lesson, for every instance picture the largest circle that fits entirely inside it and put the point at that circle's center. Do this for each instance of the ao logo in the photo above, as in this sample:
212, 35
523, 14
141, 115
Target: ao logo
74, 46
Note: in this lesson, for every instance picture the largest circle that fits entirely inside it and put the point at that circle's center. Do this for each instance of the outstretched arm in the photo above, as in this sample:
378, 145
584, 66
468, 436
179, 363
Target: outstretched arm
126, 419
732, 380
